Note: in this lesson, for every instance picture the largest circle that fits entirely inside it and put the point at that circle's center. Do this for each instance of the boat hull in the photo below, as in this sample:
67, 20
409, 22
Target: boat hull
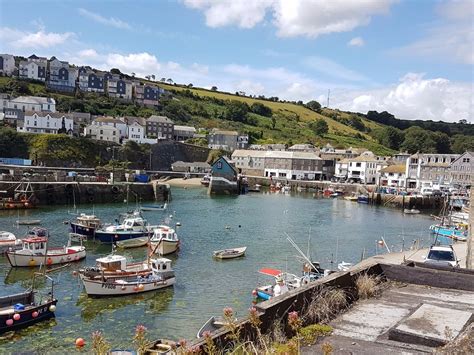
112, 237
133, 243
116, 288
165, 247
82, 230
25, 260
26, 317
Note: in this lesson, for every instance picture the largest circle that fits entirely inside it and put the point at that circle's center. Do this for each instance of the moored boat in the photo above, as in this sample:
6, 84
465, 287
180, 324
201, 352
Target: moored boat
411, 211
133, 226
213, 324
7, 241
455, 232
114, 265
85, 225
133, 243
206, 180
161, 276
34, 251
27, 308
164, 240
28, 222
283, 283
162, 347
154, 207
231, 253
363, 199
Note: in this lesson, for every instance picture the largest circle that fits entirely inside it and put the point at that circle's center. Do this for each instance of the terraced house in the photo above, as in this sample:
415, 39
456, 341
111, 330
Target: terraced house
147, 94
7, 64
427, 170
119, 88
462, 170
91, 81
34, 68
61, 76
46, 122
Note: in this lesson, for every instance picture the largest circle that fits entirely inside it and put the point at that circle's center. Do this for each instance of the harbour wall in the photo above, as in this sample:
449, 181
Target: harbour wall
275, 311
62, 193
375, 198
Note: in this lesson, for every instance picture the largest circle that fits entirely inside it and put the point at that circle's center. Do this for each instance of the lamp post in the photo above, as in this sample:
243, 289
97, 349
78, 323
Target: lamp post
113, 162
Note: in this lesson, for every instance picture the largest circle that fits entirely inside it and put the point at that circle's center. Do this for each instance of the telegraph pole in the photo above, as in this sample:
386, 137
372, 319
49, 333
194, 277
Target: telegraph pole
470, 240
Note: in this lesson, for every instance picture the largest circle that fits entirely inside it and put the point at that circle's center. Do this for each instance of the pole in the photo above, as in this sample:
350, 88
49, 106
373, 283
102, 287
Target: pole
113, 165
470, 241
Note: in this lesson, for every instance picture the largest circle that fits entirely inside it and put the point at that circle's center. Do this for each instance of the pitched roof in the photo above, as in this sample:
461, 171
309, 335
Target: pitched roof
399, 168
184, 128
108, 120
132, 119
34, 100
50, 114
159, 119
223, 132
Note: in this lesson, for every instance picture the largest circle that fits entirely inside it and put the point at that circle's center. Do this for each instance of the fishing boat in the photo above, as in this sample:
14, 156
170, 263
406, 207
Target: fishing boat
34, 251
213, 324
161, 276
456, 232
28, 222
8, 241
206, 180
229, 253
363, 199
164, 240
114, 265
411, 211
283, 283
133, 243
154, 207
85, 225
27, 308
133, 226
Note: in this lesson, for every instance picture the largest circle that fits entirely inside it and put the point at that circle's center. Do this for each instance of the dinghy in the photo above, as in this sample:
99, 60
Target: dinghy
28, 222
7, 241
411, 211
229, 253
213, 324
133, 243
154, 207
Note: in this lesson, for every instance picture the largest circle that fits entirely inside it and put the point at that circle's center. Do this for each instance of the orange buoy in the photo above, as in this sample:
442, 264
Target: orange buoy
80, 342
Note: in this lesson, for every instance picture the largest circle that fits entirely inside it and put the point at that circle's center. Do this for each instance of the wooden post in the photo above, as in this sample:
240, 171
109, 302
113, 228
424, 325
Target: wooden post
470, 240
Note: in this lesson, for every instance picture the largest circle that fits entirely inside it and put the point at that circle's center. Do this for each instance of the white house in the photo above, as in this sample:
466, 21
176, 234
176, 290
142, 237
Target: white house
182, 133
7, 64
33, 68
462, 170
136, 133
33, 103
46, 122
393, 176
341, 168
103, 133
365, 168
121, 125
426, 170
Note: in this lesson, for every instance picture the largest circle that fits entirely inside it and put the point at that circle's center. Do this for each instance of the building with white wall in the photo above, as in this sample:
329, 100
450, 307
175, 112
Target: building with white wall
46, 122
61, 76
33, 103
102, 133
34, 68
393, 176
121, 125
365, 168
428, 170
7, 64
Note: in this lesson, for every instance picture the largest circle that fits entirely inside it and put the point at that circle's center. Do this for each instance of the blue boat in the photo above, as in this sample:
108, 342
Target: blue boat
363, 199
133, 226
85, 225
452, 232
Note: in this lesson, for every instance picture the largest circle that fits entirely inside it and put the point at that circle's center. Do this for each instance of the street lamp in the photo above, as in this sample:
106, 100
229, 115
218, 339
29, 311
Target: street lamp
113, 162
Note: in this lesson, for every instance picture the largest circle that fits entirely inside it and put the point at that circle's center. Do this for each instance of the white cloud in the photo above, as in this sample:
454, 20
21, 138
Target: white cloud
107, 21
309, 18
33, 40
88, 53
249, 87
356, 42
414, 97
451, 38
140, 63
331, 68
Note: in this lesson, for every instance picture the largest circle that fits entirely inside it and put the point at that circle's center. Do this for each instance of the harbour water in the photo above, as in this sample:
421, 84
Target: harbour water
338, 230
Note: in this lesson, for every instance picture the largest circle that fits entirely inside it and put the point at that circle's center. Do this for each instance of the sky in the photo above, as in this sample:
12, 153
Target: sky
413, 58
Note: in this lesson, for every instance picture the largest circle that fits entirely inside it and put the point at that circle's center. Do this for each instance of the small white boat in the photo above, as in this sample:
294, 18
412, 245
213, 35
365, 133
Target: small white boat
154, 207
212, 324
344, 266
229, 253
161, 276
7, 241
164, 241
34, 251
284, 282
133, 243
411, 211
28, 222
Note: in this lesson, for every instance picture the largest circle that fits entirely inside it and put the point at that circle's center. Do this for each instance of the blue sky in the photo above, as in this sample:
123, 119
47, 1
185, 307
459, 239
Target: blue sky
413, 58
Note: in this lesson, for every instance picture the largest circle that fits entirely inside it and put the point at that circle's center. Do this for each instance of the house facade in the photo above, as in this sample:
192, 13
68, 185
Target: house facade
80, 121
112, 122
7, 64
462, 170
428, 170
46, 122
160, 127
136, 132
33, 103
183, 133
226, 140
293, 165
190, 167
365, 168
61, 76
34, 68
119, 88
393, 176
147, 94
91, 81
103, 133
250, 162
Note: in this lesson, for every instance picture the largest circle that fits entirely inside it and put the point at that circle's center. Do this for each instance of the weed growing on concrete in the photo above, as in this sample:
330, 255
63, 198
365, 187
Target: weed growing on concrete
368, 286
327, 348
325, 304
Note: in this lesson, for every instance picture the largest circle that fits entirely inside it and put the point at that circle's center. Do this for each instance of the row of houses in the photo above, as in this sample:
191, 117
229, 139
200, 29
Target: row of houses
302, 162
61, 76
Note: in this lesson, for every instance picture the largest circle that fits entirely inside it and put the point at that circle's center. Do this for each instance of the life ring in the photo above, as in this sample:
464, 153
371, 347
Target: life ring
90, 198
305, 280
115, 189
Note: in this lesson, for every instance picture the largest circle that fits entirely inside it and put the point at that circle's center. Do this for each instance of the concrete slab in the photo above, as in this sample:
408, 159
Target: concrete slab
430, 325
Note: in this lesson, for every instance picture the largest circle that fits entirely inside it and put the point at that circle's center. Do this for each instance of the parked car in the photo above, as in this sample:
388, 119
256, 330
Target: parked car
437, 193
442, 255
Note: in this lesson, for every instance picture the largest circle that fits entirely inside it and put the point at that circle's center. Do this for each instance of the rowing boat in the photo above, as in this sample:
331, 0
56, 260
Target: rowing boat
229, 253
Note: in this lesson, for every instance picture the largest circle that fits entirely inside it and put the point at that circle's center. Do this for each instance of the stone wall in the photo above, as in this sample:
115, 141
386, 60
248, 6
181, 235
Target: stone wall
167, 152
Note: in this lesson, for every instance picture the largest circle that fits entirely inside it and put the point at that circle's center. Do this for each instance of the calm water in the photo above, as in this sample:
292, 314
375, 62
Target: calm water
204, 286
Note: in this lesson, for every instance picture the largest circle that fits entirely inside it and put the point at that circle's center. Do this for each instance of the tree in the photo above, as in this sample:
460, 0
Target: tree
190, 85
390, 137
214, 88
115, 71
163, 80
133, 74
147, 77
319, 127
176, 111
169, 81
313, 105
442, 142
273, 122
261, 109
418, 140
153, 77
12, 144
460, 143
236, 111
